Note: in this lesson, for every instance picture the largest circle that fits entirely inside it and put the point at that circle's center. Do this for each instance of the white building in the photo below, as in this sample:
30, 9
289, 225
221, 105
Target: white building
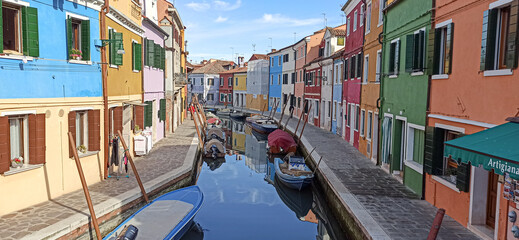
288, 77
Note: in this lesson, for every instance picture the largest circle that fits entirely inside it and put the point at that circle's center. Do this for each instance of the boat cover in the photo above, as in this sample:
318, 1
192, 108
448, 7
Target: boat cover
217, 132
214, 121
282, 139
216, 143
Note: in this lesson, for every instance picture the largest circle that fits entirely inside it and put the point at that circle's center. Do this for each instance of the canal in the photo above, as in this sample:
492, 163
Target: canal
244, 200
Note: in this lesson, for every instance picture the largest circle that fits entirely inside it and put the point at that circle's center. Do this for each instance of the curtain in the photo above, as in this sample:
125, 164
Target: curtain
15, 138
386, 139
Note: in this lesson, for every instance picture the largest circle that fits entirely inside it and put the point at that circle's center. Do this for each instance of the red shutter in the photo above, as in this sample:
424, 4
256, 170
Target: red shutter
32, 138
72, 129
40, 140
5, 161
94, 126
118, 120
139, 116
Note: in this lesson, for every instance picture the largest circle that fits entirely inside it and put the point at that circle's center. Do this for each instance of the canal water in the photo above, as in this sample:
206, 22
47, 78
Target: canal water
244, 200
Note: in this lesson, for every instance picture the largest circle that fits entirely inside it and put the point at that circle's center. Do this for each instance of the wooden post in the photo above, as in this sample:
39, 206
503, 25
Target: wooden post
437, 223
310, 154
263, 110
317, 166
201, 124
283, 113
304, 124
301, 116
85, 187
286, 123
273, 113
129, 156
200, 140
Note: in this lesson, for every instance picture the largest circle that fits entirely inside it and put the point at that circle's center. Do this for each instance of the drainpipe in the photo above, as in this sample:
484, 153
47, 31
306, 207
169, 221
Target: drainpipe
380, 100
104, 74
165, 90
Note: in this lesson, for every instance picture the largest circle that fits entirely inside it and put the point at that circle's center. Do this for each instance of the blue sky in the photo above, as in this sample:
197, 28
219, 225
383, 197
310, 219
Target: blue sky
214, 26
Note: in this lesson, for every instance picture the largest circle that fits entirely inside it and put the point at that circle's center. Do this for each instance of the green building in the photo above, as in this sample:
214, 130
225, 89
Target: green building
405, 76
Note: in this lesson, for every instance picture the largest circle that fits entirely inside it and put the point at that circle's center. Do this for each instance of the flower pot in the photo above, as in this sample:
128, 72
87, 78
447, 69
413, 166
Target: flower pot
16, 165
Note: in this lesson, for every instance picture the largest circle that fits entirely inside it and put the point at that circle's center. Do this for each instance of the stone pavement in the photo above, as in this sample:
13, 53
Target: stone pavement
170, 158
384, 207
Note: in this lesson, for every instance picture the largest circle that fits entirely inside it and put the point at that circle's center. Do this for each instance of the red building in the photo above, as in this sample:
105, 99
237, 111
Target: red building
353, 59
313, 76
225, 89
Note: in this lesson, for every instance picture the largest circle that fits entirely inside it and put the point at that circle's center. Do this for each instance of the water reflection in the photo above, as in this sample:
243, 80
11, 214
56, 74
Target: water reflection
243, 199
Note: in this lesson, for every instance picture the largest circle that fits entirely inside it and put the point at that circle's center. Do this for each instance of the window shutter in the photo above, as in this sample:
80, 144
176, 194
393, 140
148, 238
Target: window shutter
94, 132
163, 58
151, 52
488, 39
409, 47
118, 58
5, 158
111, 49
148, 114
134, 55
1, 37
85, 39
345, 69
30, 32
421, 50
139, 116
449, 47
37, 139
463, 177
392, 49
360, 62
511, 44
145, 44
118, 119
138, 57
162, 114
433, 151
397, 57
157, 56
436, 45
352, 67
69, 36
71, 129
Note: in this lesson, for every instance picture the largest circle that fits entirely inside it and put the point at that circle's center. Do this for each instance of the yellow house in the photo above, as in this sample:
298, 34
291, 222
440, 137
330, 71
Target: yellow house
238, 137
240, 87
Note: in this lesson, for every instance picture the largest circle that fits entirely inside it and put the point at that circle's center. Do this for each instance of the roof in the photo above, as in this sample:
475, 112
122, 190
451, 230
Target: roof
155, 26
337, 53
236, 70
258, 56
214, 67
338, 31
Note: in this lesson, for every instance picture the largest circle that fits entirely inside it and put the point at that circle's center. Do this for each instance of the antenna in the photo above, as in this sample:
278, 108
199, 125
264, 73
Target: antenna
270, 46
324, 18
254, 47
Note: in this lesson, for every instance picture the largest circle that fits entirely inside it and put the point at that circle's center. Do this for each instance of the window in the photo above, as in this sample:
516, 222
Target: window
443, 37
415, 145
379, 65
362, 122
236, 81
361, 19
19, 138
336, 74
355, 21
359, 65
81, 129
271, 79
415, 52
19, 30
210, 81
279, 60
366, 71
210, 97
78, 36
334, 110
222, 97
346, 69
369, 125
279, 79
272, 62
229, 97
381, 5
85, 125
285, 58
299, 102
340, 41
357, 118
352, 66
328, 49
348, 117
229, 80
116, 44
329, 108
316, 109
499, 32
368, 18
221, 81
285, 78
189, 80
294, 78
394, 56
348, 27
136, 56
202, 81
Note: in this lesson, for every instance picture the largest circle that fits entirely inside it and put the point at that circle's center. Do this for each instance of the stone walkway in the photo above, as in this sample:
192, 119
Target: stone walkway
384, 206
171, 157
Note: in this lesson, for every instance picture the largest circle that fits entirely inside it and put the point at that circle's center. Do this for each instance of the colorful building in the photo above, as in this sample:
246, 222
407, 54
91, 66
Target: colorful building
471, 98
52, 85
338, 78
257, 85
404, 90
299, 86
288, 78
225, 89
275, 71
313, 76
353, 58
205, 82
240, 88
370, 87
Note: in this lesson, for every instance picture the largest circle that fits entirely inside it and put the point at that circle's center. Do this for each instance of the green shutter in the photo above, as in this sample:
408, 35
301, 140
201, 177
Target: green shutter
118, 58
85, 39
449, 47
432, 52
137, 56
1, 30
133, 56
488, 42
512, 40
162, 114
163, 58
151, 52
463, 177
111, 47
392, 50
144, 42
148, 114
68, 22
433, 152
421, 50
409, 43
397, 57
31, 45
437, 49
157, 56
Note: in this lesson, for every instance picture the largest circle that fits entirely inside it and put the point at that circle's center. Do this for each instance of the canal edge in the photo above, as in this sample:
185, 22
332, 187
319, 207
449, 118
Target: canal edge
79, 226
363, 224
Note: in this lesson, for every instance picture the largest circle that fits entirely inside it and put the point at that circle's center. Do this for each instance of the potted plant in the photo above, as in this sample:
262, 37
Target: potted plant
17, 162
452, 172
82, 149
76, 54
137, 129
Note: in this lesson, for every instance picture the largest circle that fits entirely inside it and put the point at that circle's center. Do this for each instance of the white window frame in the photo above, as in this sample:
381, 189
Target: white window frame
85, 128
361, 15
362, 122
25, 126
357, 117
348, 27
108, 51
398, 51
368, 18
369, 134
380, 13
409, 162
379, 66
355, 18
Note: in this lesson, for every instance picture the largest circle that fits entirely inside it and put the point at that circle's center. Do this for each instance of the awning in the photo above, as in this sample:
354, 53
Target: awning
495, 148
136, 104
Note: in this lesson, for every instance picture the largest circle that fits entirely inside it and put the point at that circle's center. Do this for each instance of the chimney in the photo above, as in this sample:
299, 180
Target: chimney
240, 61
273, 50
204, 62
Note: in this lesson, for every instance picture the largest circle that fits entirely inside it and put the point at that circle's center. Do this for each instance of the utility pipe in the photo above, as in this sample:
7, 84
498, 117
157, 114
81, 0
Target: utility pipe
104, 75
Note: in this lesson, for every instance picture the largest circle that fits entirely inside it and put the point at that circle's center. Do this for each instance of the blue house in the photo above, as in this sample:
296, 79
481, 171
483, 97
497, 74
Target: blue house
337, 113
275, 80
50, 70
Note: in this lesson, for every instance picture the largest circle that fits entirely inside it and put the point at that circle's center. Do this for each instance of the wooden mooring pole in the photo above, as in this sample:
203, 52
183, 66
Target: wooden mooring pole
437, 223
301, 116
200, 140
93, 217
304, 124
130, 159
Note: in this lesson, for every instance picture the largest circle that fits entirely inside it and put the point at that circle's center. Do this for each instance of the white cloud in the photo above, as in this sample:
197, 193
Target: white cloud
221, 19
226, 6
280, 19
199, 7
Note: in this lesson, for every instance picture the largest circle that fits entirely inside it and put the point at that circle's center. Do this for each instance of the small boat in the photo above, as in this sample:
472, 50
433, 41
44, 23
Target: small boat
223, 112
214, 164
262, 126
295, 179
300, 202
210, 115
169, 216
214, 121
240, 116
215, 133
214, 149
280, 142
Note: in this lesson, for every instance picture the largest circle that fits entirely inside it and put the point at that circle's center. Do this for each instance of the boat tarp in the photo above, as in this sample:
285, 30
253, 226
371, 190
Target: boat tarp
282, 139
214, 121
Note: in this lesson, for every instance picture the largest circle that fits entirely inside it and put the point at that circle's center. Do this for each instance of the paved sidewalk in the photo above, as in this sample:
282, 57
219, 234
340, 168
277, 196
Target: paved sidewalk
381, 204
170, 158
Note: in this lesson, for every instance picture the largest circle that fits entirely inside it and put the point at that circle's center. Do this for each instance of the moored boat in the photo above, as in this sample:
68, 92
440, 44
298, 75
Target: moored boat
296, 179
240, 116
214, 148
280, 142
169, 216
223, 112
262, 126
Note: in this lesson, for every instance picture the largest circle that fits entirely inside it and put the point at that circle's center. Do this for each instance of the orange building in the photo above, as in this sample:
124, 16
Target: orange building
471, 94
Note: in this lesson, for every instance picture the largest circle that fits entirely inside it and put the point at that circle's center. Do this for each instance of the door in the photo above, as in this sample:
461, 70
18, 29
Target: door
374, 140
491, 199
343, 120
352, 123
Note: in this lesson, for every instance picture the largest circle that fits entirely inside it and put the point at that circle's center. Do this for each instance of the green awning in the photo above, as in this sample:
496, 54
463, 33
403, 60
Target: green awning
495, 148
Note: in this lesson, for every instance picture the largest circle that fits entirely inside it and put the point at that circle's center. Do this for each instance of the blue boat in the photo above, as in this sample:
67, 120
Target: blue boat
292, 181
169, 216
261, 125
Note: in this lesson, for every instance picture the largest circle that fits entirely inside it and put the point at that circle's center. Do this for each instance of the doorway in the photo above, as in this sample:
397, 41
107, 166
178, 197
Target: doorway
352, 122
374, 153
492, 199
